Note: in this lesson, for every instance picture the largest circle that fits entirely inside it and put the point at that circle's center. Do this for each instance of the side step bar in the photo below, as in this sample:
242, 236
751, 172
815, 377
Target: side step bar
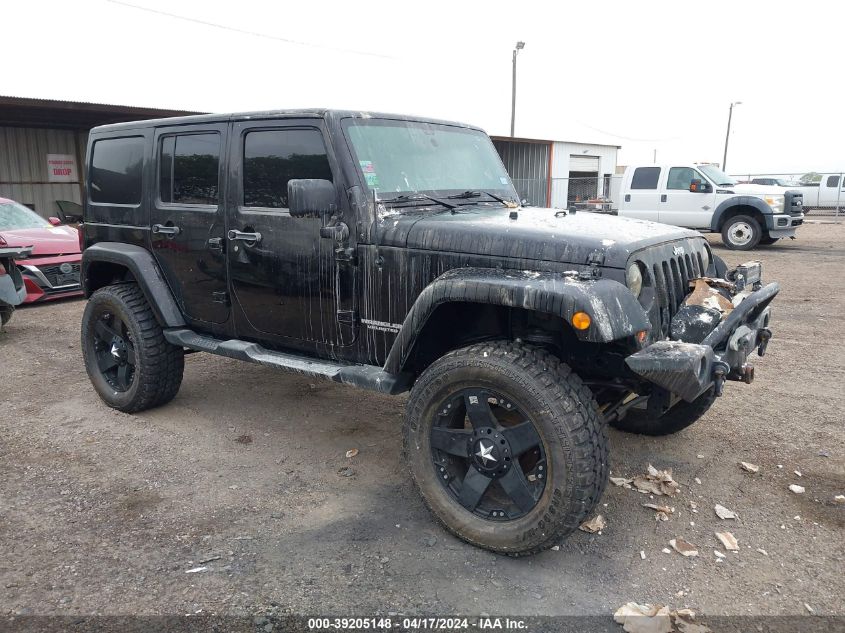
368, 377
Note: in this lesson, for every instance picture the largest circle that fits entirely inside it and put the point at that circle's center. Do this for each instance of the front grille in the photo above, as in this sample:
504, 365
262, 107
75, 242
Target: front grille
670, 269
56, 277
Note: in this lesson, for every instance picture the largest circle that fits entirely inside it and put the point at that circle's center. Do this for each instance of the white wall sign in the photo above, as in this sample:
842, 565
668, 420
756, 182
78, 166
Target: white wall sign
61, 168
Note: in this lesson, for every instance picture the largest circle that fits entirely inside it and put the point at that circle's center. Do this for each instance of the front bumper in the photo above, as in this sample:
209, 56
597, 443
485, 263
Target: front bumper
689, 369
48, 278
783, 225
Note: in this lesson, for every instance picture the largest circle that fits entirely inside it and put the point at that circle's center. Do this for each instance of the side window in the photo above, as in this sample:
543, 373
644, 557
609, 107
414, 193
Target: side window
645, 178
681, 177
116, 170
273, 157
189, 169
833, 181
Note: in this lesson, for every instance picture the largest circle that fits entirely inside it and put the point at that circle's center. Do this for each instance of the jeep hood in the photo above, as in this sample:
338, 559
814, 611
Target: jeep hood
535, 234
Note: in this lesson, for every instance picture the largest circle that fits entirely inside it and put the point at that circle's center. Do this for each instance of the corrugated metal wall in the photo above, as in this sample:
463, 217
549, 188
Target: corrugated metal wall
23, 166
528, 166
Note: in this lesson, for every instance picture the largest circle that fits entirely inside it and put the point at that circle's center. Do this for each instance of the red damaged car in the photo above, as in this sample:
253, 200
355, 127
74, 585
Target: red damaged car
52, 270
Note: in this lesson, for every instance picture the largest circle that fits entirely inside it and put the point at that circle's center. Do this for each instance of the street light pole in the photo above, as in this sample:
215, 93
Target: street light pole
728, 134
519, 47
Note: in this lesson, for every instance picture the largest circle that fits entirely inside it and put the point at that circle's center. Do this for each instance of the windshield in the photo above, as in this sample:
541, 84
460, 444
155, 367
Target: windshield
407, 157
16, 216
716, 175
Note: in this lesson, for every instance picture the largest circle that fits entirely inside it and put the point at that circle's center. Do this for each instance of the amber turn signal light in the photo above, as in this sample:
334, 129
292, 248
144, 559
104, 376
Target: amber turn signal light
581, 320
641, 335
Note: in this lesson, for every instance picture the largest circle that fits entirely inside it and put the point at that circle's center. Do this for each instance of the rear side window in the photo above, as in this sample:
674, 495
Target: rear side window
189, 169
645, 178
273, 157
116, 170
833, 181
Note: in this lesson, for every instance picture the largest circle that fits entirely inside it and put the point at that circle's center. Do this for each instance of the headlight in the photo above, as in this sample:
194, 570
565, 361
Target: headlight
634, 279
775, 202
705, 260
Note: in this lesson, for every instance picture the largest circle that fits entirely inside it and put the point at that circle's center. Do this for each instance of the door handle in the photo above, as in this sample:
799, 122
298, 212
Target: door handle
663, 197
165, 229
249, 238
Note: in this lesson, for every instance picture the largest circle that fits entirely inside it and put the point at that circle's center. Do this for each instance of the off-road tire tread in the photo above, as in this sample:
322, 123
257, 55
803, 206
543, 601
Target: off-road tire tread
164, 363
675, 419
565, 387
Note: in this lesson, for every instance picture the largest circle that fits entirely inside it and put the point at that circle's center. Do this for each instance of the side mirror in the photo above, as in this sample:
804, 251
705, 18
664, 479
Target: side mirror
696, 186
311, 198
54, 221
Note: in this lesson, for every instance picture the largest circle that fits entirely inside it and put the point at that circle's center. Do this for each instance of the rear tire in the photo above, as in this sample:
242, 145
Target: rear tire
131, 365
741, 233
565, 469
675, 419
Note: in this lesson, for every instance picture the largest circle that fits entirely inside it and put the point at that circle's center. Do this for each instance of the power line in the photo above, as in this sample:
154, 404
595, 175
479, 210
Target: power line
233, 29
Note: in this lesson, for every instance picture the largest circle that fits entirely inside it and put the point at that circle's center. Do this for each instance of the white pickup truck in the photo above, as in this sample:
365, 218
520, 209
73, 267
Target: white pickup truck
703, 197
829, 193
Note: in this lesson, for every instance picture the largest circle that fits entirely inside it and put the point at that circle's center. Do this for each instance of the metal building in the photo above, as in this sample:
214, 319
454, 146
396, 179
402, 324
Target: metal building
42, 148
558, 173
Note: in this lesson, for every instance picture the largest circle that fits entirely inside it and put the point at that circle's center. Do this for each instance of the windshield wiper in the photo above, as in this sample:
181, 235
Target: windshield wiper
476, 194
421, 196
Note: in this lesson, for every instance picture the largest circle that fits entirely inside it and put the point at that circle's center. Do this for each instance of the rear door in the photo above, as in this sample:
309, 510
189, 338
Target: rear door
187, 219
682, 207
283, 275
641, 197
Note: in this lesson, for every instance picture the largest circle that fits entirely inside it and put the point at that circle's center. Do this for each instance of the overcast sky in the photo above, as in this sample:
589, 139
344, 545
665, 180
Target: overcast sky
643, 75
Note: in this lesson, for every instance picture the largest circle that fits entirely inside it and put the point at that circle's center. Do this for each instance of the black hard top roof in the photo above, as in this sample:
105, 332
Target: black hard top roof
308, 113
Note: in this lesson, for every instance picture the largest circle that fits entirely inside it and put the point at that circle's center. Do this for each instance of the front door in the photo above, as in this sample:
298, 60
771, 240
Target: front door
682, 207
187, 220
283, 275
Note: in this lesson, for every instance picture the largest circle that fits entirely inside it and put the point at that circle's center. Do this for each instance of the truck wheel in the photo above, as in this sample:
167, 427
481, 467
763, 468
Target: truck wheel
506, 446
741, 233
675, 419
130, 364
768, 241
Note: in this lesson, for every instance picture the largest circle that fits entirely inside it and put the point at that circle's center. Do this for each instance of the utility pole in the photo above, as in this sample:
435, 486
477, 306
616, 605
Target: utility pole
728, 134
519, 47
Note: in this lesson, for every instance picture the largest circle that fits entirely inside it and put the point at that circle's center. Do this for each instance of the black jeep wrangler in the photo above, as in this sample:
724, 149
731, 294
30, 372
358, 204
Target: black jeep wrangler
391, 253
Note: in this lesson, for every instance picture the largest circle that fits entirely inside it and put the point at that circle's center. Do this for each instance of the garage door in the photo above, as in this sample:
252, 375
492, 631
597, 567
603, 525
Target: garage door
584, 163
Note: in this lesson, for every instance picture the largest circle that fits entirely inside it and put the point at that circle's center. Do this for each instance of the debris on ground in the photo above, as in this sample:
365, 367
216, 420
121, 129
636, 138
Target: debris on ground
808, 607
693, 506
723, 513
642, 554
728, 540
748, 466
796, 489
644, 618
798, 473
762, 551
661, 513
594, 525
244, 439
839, 499
352, 452
209, 559
195, 570
621, 481
666, 550
656, 482
698, 481
718, 554
346, 471
655, 618
683, 548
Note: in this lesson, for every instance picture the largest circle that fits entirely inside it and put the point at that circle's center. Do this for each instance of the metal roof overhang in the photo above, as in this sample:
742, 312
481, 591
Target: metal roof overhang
72, 115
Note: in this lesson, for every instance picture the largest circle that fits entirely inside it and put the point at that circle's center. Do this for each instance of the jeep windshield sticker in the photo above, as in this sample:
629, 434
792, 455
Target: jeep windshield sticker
503, 180
370, 175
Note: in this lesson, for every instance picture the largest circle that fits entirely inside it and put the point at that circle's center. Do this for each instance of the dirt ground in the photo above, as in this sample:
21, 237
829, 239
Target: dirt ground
103, 513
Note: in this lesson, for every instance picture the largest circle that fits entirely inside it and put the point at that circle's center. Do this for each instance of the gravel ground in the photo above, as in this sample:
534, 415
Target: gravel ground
245, 474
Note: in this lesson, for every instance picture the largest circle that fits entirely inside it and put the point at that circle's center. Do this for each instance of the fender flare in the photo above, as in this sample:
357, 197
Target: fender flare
141, 263
614, 310
737, 201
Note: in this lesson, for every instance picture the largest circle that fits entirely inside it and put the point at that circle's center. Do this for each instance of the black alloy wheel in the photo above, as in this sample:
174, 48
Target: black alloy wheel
114, 350
488, 455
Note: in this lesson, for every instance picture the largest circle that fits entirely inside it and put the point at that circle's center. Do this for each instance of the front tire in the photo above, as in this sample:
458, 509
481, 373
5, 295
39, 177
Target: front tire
741, 233
675, 419
131, 365
506, 446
